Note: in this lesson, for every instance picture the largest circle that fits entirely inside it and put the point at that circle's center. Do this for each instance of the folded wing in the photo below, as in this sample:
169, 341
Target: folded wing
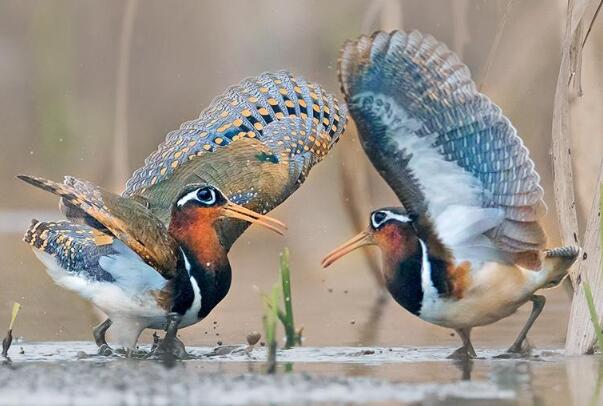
126, 219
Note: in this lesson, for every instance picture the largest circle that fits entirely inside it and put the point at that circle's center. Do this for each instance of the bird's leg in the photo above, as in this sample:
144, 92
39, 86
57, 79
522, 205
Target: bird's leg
466, 351
171, 346
172, 326
99, 332
537, 306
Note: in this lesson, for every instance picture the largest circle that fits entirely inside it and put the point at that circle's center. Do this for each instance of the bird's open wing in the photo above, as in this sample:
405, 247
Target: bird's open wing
440, 144
256, 142
126, 219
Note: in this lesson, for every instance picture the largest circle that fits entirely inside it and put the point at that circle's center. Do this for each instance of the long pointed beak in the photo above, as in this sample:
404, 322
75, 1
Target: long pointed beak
239, 212
362, 239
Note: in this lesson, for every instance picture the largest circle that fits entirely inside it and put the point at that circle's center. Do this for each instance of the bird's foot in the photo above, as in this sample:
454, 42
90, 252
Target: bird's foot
517, 350
463, 354
172, 346
104, 350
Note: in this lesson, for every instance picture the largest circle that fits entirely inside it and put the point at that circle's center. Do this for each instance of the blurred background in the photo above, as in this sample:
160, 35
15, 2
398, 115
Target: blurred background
74, 101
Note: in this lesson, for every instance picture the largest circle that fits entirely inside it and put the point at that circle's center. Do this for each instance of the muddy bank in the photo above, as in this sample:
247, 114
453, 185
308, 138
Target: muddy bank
70, 372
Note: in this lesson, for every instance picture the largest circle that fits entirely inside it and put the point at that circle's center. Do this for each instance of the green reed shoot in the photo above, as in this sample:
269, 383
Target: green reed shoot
269, 320
273, 312
293, 337
594, 318
601, 223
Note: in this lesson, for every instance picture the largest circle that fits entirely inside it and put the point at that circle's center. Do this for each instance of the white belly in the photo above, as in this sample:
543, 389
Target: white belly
494, 292
118, 303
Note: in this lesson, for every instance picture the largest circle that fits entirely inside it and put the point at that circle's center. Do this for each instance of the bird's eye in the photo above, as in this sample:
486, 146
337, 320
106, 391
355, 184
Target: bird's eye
378, 218
206, 196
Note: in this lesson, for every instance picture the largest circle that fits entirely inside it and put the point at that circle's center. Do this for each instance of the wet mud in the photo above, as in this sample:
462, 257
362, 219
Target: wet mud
72, 372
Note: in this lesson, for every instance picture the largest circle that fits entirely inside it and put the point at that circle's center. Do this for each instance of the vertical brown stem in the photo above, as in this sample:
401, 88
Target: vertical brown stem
120, 135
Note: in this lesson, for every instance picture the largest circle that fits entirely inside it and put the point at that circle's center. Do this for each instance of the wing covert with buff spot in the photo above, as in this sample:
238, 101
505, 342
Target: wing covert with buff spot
124, 218
76, 248
256, 142
437, 141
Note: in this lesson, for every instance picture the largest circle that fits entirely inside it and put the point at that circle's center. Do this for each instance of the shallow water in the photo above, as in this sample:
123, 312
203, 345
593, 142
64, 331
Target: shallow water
70, 372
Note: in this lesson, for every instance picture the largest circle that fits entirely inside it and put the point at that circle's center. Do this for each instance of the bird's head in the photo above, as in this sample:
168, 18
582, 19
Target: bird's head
208, 204
198, 208
390, 228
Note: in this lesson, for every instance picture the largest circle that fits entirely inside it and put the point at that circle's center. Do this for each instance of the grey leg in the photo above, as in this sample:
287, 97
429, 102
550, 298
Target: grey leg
172, 326
100, 331
537, 306
466, 351
169, 349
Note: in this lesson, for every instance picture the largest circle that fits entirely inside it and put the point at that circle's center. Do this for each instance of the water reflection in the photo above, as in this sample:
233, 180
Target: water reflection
465, 366
585, 378
546, 377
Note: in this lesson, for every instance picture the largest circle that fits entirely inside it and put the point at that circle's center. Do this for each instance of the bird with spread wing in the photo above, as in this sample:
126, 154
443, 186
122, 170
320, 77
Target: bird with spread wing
467, 247
156, 256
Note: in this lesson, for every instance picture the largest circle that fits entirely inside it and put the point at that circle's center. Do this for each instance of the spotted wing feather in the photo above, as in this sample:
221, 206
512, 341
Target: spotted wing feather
436, 140
77, 248
126, 219
256, 142
255, 109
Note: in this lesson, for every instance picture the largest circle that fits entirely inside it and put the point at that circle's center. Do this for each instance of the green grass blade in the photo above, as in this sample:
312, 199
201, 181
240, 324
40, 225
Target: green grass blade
594, 318
288, 322
269, 320
601, 223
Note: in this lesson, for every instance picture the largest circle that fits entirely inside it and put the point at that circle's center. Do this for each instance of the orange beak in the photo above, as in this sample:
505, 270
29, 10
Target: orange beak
360, 240
239, 212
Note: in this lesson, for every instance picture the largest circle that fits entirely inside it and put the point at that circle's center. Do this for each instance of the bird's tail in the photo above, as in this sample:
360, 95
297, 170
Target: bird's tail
557, 262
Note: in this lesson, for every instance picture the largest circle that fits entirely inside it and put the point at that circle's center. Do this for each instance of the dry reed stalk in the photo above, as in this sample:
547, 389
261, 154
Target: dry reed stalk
494, 47
355, 184
563, 180
581, 335
120, 134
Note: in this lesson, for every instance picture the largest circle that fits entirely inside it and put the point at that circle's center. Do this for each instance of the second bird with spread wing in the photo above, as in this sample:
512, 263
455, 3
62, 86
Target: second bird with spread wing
467, 248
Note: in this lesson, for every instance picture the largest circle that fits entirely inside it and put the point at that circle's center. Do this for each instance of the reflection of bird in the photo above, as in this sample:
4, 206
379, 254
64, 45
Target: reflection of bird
256, 143
132, 267
467, 248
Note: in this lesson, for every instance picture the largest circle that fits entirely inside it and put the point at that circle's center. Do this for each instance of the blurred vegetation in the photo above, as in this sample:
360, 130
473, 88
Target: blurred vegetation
58, 75
269, 321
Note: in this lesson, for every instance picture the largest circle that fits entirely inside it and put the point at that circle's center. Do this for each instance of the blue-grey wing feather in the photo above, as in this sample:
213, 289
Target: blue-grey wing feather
401, 85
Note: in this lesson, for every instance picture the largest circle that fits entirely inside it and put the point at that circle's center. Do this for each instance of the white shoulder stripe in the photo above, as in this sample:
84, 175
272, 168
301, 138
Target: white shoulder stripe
430, 293
187, 264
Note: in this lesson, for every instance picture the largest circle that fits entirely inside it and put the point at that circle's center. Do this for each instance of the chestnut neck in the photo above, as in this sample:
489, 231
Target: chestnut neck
403, 265
193, 229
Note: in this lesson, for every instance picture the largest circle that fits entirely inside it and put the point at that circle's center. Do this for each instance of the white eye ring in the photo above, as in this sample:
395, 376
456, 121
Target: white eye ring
388, 215
194, 195
212, 196
378, 223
